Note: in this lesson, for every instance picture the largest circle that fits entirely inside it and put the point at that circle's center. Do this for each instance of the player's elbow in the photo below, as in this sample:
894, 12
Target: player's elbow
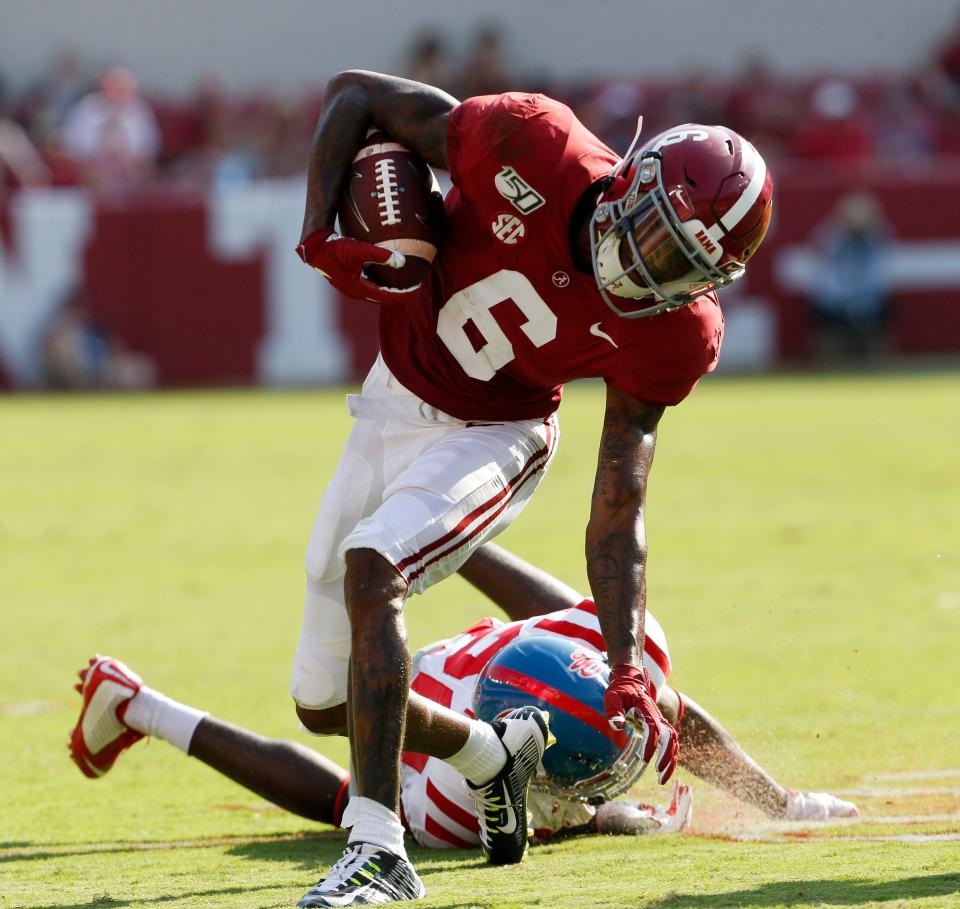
354, 81
349, 84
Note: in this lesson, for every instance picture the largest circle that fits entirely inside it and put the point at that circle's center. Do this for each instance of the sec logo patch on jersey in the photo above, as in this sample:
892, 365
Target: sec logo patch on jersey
508, 228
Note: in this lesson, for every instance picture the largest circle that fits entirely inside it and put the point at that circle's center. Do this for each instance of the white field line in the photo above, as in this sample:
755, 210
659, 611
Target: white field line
905, 775
906, 838
899, 791
892, 838
911, 818
29, 708
774, 828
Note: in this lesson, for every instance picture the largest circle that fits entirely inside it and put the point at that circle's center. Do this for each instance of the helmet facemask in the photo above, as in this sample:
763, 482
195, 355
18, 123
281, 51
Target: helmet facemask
604, 786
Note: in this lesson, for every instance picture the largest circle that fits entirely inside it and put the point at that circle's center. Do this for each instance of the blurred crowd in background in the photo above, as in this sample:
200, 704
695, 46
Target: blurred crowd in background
80, 125
83, 124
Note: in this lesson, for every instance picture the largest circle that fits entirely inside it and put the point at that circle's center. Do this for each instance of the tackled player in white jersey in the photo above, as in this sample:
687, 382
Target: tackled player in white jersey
470, 673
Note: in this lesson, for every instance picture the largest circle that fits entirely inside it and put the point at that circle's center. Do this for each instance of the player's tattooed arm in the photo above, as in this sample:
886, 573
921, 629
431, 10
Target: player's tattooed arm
616, 539
411, 112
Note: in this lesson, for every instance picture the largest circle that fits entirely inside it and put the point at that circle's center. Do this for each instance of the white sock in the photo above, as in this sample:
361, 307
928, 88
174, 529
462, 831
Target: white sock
153, 713
371, 822
481, 759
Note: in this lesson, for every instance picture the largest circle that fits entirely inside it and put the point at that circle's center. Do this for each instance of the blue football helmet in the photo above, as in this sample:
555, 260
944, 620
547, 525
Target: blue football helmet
590, 761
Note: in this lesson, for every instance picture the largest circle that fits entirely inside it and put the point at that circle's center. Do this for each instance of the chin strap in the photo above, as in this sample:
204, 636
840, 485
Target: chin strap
631, 149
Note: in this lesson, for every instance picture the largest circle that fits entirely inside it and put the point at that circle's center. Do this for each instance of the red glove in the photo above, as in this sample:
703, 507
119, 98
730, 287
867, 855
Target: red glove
628, 700
341, 261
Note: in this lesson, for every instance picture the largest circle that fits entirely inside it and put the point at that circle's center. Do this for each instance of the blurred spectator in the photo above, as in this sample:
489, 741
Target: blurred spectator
429, 61
694, 98
943, 77
903, 127
485, 70
77, 354
611, 112
20, 162
44, 108
834, 129
113, 134
203, 138
762, 105
275, 137
850, 297
115, 140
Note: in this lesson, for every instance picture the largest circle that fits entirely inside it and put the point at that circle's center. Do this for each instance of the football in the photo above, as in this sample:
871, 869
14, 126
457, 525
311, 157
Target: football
391, 198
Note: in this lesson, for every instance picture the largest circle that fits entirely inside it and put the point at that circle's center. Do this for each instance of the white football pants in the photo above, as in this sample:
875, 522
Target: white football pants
421, 488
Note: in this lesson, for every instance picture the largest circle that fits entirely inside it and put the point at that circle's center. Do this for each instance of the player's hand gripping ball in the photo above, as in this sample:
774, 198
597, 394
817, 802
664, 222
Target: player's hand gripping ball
391, 221
629, 701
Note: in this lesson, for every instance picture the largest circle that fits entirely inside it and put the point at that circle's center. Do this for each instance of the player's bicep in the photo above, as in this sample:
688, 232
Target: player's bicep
411, 112
627, 444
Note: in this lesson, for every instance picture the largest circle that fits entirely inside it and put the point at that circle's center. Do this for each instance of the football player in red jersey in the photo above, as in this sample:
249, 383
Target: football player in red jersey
608, 269
119, 710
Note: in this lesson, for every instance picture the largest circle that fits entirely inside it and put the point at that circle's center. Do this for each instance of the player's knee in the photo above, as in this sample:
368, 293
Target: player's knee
331, 721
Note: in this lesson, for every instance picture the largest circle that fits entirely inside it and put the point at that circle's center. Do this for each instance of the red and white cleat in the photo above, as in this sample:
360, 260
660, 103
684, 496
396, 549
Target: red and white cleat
817, 806
101, 734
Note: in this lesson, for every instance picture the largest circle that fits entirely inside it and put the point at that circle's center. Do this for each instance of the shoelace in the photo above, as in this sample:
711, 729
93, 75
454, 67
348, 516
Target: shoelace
492, 808
347, 868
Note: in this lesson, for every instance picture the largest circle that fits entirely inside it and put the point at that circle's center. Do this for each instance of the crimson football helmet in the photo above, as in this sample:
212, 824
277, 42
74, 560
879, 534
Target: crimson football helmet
679, 217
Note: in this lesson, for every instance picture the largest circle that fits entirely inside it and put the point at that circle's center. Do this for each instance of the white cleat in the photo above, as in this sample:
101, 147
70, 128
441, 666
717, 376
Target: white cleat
366, 875
817, 806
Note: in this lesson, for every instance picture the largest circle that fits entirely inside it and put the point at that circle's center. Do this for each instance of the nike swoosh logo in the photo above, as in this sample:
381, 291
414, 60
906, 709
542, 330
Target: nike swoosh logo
598, 332
511, 823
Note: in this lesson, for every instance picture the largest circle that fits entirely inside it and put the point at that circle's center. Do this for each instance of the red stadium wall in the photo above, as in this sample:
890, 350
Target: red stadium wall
212, 291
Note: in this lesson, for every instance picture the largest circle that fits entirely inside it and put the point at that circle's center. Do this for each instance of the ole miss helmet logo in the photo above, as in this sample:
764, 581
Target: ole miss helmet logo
586, 665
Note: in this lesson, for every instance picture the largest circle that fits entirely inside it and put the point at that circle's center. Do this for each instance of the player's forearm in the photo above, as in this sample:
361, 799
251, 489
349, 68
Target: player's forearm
339, 132
616, 544
616, 568
712, 754
520, 589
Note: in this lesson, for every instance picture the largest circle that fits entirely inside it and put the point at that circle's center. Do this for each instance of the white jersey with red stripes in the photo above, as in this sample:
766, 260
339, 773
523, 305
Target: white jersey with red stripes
436, 804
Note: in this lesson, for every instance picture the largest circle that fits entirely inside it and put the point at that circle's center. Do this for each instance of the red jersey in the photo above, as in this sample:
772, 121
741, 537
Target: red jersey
506, 319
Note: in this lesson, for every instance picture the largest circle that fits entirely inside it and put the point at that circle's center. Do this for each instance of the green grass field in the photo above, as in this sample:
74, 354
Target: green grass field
805, 562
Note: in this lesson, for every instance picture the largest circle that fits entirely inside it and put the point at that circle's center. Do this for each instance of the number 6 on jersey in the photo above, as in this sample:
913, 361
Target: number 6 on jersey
474, 303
